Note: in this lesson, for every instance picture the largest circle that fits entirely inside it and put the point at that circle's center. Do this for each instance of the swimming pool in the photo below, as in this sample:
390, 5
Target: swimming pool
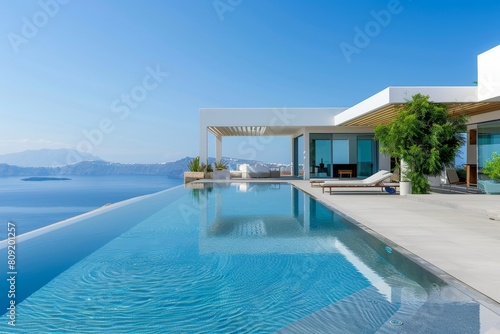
228, 258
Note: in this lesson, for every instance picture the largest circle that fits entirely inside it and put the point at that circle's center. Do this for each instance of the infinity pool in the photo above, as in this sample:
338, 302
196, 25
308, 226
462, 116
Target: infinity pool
227, 258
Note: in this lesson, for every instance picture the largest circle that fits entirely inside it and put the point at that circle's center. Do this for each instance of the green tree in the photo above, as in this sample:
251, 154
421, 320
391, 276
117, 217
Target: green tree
425, 136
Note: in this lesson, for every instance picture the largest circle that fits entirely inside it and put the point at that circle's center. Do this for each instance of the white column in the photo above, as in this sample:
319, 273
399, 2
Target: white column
306, 155
203, 144
218, 148
292, 154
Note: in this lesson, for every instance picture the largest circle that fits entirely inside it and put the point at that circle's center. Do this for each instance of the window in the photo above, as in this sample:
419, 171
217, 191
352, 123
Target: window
340, 151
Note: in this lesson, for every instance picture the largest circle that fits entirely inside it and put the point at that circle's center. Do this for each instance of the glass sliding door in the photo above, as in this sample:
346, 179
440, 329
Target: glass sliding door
322, 158
461, 155
488, 142
367, 156
340, 151
320, 155
331, 152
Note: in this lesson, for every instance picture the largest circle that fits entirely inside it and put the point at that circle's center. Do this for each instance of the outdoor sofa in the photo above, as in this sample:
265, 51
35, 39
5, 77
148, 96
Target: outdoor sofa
254, 171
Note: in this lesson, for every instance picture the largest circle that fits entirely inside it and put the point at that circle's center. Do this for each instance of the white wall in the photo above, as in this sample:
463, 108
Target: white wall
471, 149
384, 162
278, 117
488, 70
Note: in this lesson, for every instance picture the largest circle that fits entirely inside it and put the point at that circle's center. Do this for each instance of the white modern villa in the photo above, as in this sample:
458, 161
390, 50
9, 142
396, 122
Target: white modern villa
333, 139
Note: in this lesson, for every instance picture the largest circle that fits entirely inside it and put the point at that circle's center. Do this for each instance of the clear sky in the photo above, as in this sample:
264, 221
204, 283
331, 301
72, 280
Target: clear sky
125, 79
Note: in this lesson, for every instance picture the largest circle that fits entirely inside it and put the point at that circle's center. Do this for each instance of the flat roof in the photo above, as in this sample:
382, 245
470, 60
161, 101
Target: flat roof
384, 106
380, 108
265, 121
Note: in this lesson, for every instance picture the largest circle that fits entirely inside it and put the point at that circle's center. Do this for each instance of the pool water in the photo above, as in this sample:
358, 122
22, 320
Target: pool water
230, 258
35, 204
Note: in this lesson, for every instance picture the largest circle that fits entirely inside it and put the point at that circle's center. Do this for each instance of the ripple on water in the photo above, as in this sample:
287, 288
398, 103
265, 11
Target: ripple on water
175, 289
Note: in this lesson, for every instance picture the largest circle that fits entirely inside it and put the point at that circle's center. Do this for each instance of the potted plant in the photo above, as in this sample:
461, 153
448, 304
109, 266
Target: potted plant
404, 181
196, 170
220, 170
492, 170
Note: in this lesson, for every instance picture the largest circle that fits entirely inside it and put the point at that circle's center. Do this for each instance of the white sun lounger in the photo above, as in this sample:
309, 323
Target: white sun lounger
375, 180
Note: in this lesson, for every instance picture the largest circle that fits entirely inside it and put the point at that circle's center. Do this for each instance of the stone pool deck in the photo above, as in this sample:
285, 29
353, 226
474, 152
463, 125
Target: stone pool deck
452, 232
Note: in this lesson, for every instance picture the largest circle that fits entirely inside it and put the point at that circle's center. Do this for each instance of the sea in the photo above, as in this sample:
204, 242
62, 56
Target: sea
35, 204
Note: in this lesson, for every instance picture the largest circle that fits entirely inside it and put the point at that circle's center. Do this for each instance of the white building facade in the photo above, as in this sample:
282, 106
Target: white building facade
336, 139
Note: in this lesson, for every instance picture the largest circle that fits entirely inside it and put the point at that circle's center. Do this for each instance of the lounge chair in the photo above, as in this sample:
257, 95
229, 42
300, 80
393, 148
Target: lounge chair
376, 180
316, 182
453, 178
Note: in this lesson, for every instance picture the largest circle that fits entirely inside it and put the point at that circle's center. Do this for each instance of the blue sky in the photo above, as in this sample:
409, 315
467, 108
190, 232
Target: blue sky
125, 79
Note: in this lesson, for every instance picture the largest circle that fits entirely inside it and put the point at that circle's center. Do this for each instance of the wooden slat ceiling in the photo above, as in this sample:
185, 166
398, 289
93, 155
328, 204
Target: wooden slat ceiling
386, 114
237, 130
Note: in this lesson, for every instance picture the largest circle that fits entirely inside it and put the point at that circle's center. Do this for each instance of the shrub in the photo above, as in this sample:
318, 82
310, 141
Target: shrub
492, 167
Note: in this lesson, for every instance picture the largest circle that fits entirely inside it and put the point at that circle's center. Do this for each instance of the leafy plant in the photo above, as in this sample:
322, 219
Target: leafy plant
220, 165
425, 136
195, 166
209, 169
492, 167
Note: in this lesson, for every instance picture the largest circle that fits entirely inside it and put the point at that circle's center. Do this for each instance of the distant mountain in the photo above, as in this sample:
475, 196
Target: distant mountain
46, 158
173, 169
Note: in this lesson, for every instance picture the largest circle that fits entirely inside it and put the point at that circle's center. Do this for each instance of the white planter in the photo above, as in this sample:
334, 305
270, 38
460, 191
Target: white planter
489, 186
404, 188
193, 176
221, 174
